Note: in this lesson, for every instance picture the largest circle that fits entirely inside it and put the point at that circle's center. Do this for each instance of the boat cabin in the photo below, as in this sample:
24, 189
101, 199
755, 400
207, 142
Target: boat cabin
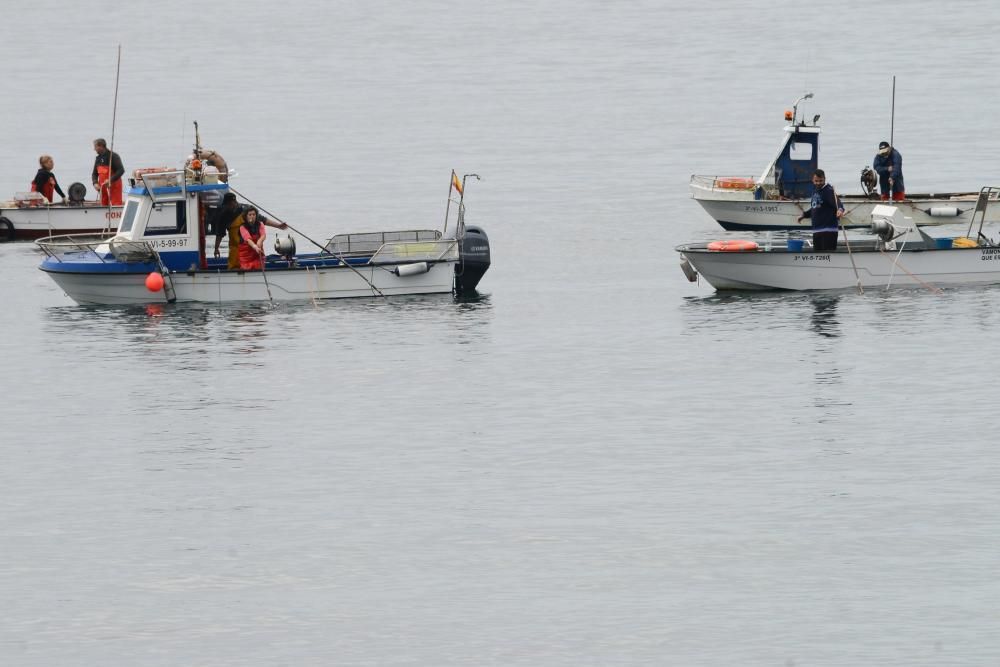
789, 175
168, 213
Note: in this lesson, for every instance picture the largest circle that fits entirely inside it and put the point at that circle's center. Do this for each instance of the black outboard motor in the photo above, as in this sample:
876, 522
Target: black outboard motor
474, 260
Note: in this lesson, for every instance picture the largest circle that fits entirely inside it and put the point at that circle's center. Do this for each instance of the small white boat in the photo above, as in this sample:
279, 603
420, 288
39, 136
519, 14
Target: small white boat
157, 255
30, 216
900, 254
777, 198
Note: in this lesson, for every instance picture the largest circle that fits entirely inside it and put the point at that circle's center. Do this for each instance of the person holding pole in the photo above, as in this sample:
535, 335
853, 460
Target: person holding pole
888, 164
228, 219
251, 242
824, 212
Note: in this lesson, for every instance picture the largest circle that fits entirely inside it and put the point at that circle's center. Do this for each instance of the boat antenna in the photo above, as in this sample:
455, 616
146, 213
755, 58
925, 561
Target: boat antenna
892, 112
795, 107
114, 119
460, 223
197, 141
892, 127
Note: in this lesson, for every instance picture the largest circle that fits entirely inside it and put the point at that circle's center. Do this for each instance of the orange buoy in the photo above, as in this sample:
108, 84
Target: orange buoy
733, 245
154, 281
735, 183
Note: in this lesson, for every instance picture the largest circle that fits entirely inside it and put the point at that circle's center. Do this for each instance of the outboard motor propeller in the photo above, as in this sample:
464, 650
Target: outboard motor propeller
474, 260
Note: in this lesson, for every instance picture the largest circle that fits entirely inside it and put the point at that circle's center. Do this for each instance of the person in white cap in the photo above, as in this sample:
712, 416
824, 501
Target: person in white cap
888, 164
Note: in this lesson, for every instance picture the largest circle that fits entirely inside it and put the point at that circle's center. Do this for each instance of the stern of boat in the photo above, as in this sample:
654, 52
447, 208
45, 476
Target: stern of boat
474, 260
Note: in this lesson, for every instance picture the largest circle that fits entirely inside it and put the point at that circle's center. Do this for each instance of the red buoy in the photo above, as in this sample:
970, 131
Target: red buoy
154, 281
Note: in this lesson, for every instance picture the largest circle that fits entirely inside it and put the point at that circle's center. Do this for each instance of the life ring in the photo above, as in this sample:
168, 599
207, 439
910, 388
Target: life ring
733, 245
735, 183
6, 230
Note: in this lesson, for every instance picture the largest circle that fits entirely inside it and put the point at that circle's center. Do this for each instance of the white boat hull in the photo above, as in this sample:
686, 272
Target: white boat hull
739, 211
336, 282
781, 269
35, 222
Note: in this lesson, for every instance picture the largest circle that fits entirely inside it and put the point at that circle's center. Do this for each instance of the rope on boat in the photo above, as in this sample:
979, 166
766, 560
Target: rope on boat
895, 262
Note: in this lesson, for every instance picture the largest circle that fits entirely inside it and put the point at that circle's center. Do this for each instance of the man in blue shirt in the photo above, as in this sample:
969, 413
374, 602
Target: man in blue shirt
824, 212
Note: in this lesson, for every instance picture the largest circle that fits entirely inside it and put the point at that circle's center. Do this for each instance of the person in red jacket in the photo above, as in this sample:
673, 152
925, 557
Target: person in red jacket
107, 174
45, 181
252, 237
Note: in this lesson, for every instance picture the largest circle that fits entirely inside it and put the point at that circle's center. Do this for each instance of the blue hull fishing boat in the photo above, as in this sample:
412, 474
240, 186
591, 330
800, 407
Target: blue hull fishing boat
157, 254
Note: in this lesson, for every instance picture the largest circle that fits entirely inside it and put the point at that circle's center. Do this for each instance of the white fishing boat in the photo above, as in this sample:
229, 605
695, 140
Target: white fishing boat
157, 255
775, 199
29, 215
899, 254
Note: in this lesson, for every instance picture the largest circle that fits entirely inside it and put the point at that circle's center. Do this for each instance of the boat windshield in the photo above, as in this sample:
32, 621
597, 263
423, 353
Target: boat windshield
128, 219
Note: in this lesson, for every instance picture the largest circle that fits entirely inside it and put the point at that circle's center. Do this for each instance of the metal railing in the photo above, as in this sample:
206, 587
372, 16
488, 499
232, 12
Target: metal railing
60, 248
987, 194
364, 243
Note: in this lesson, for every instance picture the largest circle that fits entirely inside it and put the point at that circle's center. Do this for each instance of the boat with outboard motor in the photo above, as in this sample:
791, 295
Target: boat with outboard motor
900, 254
29, 215
777, 198
157, 255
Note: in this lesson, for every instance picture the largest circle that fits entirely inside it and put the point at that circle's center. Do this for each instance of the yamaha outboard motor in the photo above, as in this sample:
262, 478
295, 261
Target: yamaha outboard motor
474, 260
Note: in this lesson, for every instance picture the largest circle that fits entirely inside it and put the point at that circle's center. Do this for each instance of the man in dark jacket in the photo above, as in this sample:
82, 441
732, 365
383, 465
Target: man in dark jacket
107, 174
888, 164
824, 211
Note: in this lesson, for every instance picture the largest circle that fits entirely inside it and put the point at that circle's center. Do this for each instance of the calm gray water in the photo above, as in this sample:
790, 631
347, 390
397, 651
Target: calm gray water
593, 463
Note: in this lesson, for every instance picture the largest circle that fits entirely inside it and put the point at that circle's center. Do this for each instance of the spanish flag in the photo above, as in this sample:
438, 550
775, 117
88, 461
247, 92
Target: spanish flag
455, 183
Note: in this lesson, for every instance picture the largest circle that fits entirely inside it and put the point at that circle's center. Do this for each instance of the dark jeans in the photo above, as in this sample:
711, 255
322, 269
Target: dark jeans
825, 241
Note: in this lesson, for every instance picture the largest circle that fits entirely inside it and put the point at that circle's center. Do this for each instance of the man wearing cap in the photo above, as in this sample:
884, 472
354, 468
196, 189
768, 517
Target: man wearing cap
888, 164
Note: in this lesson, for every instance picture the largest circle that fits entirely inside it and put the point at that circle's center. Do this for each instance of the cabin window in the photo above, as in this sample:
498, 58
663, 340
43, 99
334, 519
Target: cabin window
129, 218
799, 150
167, 219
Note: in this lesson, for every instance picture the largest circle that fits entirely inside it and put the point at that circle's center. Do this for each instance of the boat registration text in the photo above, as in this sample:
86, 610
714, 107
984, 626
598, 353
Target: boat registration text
761, 208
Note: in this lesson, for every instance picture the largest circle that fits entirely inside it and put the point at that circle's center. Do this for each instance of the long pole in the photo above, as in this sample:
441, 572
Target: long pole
857, 277
263, 272
892, 127
114, 119
892, 113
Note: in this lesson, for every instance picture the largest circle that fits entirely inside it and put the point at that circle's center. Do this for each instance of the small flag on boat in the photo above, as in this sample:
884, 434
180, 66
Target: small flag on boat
454, 182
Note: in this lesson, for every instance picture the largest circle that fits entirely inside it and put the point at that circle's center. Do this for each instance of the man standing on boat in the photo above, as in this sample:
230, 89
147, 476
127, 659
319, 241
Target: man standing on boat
888, 164
824, 210
107, 174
